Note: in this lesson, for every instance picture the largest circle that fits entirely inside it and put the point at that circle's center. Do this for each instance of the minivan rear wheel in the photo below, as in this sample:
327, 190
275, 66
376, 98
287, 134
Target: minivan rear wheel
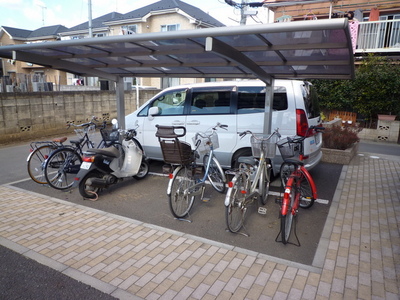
239, 153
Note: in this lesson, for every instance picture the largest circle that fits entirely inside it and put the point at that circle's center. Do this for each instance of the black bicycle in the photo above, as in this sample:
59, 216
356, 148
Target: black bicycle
63, 163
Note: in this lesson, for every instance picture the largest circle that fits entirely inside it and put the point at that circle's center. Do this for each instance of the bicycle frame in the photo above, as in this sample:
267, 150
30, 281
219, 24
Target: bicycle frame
194, 190
252, 191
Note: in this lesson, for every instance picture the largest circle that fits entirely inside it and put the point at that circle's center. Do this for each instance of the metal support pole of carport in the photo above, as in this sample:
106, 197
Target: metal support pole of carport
120, 95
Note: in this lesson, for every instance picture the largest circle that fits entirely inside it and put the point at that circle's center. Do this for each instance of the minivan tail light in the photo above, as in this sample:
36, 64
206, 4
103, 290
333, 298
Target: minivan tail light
302, 123
88, 159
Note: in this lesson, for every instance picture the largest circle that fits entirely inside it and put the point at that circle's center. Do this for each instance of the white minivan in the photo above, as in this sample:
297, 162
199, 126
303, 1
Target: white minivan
238, 104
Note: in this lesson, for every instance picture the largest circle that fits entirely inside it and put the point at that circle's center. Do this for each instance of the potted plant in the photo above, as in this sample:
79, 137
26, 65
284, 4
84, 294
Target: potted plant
340, 144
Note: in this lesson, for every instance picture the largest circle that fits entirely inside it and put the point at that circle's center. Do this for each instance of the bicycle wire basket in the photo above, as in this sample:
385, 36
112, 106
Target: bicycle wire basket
262, 142
204, 146
110, 135
90, 130
289, 148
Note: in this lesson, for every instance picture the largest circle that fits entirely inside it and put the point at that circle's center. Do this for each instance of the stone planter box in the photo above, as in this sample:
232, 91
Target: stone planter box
386, 117
336, 156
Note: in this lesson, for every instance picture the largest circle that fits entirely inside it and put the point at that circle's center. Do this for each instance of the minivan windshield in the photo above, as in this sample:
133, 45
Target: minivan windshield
169, 103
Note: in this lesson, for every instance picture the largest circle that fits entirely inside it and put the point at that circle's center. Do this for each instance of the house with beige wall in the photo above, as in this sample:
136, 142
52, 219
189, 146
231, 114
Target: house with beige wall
24, 76
164, 15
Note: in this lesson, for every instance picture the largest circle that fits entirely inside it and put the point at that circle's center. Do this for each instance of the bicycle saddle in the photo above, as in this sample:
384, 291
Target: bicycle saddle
294, 161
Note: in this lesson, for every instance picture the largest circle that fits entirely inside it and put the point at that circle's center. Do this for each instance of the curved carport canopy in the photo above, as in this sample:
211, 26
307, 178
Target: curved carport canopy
318, 49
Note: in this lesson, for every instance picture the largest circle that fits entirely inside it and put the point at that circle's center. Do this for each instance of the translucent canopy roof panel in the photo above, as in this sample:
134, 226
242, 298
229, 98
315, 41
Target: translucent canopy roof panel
302, 49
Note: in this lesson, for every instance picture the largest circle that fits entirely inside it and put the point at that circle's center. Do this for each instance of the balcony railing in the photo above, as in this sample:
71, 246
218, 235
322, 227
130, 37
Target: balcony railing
379, 36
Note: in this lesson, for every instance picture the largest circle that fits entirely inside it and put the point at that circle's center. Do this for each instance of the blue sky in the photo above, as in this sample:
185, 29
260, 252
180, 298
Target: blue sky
33, 14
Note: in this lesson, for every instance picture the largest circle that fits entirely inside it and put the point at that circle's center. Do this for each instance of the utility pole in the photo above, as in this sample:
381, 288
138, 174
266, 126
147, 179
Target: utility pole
243, 16
90, 19
43, 8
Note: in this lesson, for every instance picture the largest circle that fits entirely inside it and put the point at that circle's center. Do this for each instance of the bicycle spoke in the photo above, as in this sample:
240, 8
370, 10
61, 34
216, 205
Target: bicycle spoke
215, 174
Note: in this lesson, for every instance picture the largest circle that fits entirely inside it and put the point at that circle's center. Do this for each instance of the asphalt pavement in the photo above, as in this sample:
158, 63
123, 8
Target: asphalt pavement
23, 278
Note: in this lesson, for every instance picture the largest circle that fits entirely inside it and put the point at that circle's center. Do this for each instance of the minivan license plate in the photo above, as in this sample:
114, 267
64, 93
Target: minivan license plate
86, 165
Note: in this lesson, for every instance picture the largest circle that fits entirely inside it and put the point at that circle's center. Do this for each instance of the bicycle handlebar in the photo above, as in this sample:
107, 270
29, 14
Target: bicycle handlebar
205, 135
242, 134
87, 124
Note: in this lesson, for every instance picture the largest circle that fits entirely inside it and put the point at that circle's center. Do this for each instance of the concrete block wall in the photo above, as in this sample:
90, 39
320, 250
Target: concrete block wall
25, 116
387, 131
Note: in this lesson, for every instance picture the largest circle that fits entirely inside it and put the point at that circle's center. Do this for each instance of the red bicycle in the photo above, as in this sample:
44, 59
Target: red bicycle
300, 188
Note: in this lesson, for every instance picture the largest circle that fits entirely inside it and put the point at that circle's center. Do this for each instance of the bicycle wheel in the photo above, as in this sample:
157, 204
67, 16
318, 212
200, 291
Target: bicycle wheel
36, 161
179, 203
236, 209
285, 171
61, 168
306, 195
263, 185
287, 213
215, 175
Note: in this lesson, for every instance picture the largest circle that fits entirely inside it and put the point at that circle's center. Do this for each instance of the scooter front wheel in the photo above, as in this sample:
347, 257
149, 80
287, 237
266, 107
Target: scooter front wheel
143, 170
86, 190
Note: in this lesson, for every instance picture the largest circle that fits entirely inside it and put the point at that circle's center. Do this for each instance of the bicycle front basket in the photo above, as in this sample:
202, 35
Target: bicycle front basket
288, 149
109, 135
204, 146
264, 143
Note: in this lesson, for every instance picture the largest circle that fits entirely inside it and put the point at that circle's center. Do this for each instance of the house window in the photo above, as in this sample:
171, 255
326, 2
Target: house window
128, 29
172, 27
99, 35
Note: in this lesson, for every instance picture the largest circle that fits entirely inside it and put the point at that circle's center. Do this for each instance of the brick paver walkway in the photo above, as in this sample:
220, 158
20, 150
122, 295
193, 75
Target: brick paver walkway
358, 256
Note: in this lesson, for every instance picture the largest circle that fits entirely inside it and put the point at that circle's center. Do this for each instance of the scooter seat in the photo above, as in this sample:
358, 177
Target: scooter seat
111, 152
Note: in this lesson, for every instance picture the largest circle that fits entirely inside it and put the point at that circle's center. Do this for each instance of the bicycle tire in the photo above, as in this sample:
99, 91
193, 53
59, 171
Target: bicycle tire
179, 203
307, 200
306, 195
215, 175
288, 213
36, 161
263, 184
285, 171
235, 211
61, 168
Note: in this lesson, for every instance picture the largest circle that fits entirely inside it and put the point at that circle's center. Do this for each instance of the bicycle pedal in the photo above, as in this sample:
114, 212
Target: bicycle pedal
278, 200
262, 210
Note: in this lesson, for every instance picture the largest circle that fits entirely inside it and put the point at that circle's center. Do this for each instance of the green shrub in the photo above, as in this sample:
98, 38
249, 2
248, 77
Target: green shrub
342, 138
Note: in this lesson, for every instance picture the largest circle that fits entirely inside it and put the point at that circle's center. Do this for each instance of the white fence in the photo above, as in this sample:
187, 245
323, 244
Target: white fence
379, 36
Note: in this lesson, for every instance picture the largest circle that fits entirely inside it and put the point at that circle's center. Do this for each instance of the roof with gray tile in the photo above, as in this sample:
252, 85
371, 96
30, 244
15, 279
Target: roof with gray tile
97, 22
191, 10
46, 31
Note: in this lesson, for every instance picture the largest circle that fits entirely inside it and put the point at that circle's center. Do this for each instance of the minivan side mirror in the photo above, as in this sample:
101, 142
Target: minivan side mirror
153, 111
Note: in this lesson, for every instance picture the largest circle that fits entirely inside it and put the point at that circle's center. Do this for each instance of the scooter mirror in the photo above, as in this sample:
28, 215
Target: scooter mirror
115, 123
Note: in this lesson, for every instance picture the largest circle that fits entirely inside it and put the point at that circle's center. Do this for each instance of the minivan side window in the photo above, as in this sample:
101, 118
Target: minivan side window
210, 102
310, 100
252, 99
170, 103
